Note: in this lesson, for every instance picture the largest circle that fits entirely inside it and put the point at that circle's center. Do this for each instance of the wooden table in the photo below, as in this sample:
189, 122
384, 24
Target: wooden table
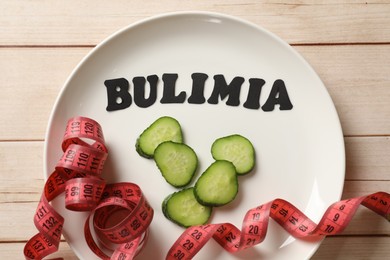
347, 43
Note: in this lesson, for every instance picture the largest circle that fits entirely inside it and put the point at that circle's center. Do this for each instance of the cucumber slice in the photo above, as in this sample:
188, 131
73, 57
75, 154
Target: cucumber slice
163, 129
183, 209
236, 149
177, 162
218, 185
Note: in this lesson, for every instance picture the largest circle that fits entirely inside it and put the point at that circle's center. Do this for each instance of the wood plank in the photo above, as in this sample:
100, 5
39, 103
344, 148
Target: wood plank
88, 22
14, 250
32, 79
21, 178
353, 248
360, 188
355, 76
367, 158
22, 167
364, 247
16, 220
336, 247
364, 220
22, 181
357, 80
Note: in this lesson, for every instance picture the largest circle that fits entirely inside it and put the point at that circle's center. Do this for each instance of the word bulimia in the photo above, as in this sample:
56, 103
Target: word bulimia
119, 97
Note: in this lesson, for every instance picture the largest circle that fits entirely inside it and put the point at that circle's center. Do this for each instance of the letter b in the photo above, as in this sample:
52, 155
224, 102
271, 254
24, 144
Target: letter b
118, 96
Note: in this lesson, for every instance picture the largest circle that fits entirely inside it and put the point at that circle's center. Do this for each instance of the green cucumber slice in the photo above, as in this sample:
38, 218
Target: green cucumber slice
236, 149
163, 129
183, 209
218, 185
177, 162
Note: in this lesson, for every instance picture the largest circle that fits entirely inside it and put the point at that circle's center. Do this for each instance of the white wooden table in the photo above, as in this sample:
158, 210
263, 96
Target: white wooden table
347, 43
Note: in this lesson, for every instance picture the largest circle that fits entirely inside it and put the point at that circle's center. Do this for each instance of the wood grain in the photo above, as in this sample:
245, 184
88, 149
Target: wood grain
367, 158
362, 101
14, 250
22, 167
21, 184
373, 248
88, 22
17, 224
357, 78
32, 79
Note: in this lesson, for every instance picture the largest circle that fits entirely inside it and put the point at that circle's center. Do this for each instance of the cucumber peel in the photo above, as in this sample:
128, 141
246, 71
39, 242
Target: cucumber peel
236, 149
163, 129
183, 209
218, 185
177, 162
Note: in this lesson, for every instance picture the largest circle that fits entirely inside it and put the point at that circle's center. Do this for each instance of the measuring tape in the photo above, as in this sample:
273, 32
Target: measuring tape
119, 213
255, 223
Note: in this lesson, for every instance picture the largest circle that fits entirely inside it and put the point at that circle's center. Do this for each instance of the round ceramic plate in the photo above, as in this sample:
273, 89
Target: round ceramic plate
254, 84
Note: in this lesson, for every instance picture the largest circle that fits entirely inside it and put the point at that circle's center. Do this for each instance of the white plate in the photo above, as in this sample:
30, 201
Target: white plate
300, 152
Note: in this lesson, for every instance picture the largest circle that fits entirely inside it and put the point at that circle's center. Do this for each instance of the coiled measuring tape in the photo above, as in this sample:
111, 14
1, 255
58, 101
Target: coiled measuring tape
255, 223
119, 213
